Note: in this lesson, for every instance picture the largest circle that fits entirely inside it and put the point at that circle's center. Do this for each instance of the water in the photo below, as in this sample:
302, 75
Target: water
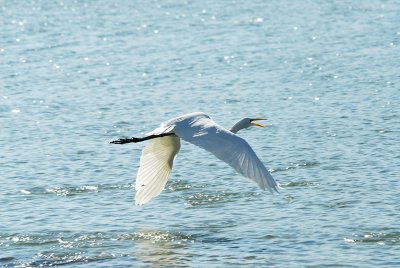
76, 75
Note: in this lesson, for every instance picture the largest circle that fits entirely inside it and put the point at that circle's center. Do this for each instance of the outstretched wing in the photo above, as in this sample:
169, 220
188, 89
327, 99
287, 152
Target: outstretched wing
227, 146
155, 166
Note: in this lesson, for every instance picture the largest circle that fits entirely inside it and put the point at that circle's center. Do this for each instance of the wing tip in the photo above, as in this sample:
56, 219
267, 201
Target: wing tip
274, 188
139, 201
139, 204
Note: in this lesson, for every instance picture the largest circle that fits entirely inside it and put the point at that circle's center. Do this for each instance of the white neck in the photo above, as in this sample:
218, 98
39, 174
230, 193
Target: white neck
238, 126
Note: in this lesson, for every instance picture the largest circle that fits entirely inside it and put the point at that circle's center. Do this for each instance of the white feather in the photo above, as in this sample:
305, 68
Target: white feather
227, 146
155, 166
197, 128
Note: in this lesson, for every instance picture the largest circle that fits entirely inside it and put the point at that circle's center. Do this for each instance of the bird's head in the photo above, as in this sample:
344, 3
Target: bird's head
246, 123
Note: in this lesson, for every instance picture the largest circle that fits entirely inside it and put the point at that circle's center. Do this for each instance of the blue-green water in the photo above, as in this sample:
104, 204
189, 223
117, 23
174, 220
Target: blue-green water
75, 75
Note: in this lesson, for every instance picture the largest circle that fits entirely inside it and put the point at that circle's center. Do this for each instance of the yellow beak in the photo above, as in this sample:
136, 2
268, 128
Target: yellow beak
257, 124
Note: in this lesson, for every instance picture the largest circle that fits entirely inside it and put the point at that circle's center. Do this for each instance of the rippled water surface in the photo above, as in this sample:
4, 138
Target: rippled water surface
75, 75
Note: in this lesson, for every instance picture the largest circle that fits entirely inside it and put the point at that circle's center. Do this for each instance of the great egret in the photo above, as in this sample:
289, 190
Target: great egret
197, 128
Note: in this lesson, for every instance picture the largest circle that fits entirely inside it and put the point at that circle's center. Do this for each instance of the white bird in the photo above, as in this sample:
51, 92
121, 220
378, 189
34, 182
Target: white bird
197, 128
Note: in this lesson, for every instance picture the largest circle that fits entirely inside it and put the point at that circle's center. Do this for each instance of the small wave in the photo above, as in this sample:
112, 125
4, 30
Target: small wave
57, 259
7, 261
231, 101
296, 165
205, 199
28, 240
61, 248
70, 191
380, 238
25, 192
63, 239
298, 184
75, 190
384, 131
179, 185
156, 236
343, 204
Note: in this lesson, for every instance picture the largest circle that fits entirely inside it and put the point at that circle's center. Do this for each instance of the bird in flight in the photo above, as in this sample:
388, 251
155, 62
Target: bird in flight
197, 128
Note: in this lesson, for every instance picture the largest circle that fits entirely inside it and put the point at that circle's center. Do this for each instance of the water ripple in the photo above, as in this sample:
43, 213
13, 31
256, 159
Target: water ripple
157, 236
58, 259
298, 184
380, 238
78, 74
75, 190
297, 165
178, 185
207, 199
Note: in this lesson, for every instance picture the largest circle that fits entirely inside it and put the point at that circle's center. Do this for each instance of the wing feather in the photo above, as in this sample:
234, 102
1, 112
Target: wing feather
227, 146
155, 166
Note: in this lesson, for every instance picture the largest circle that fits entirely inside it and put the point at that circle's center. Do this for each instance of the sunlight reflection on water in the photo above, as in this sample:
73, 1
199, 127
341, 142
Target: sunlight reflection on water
76, 75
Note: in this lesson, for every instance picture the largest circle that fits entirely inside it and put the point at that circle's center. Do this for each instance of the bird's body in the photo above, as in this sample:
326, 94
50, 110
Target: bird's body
197, 128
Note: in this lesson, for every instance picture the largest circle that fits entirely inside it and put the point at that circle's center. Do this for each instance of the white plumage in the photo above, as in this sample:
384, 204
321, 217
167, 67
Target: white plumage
197, 128
155, 166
